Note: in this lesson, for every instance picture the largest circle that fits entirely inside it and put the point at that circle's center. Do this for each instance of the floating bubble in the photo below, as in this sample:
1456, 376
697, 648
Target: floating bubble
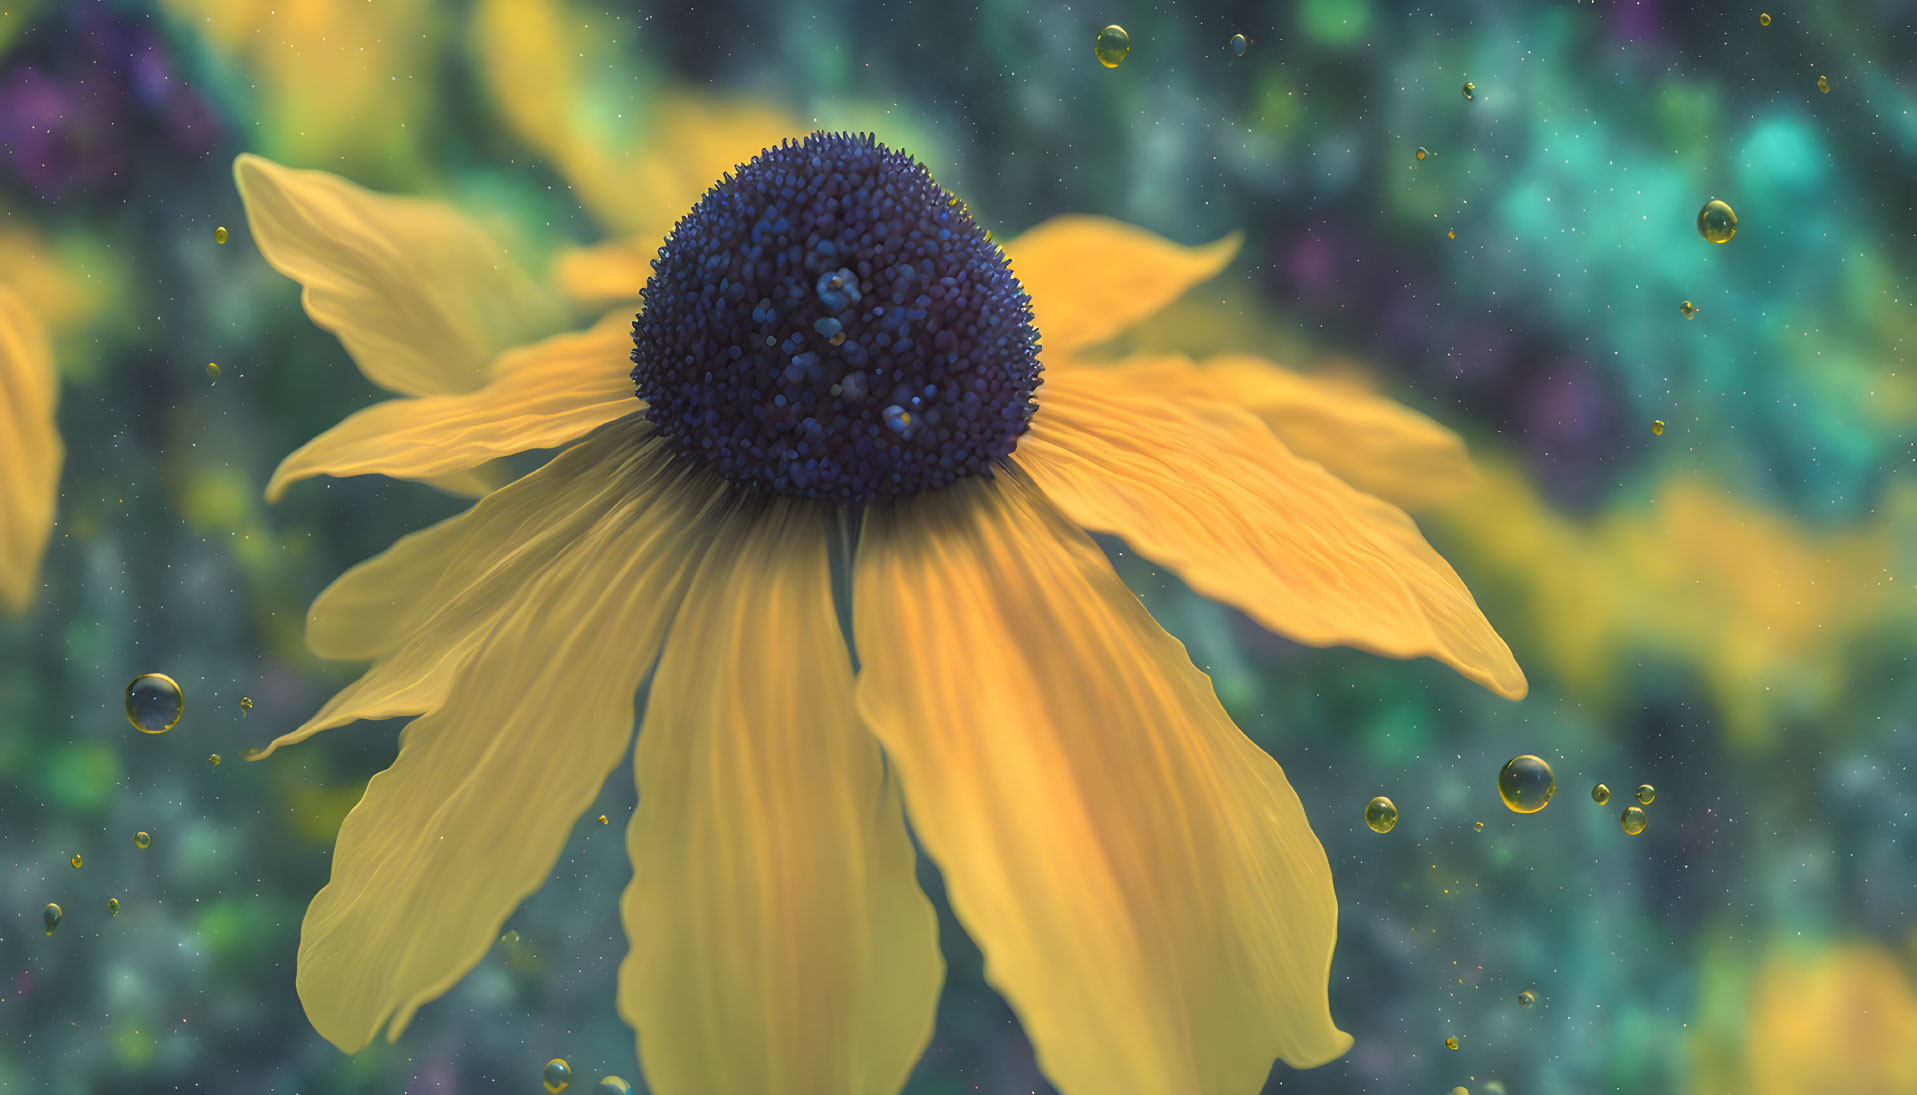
613, 1085
154, 703
1632, 820
1600, 794
50, 916
1460, 1090
1717, 221
1763, 18
1477, 826
246, 705
1657, 426
212, 370
1469, 90
76, 861
1646, 794
1451, 234
142, 841
219, 234
1422, 152
1112, 46
113, 906
214, 760
1687, 310
509, 938
557, 1074
1381, 814
1239, 43
1451, 1042
1526, 784
1823, 85
1527, 998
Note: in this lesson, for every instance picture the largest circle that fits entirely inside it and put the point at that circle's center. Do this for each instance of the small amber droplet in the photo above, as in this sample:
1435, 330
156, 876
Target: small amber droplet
76, 861
1600, 794
1632, 820
113, 906
1657, 426
1239, 43
509, 938
214, 760
1646, 794
1451, 234
142, 841
1422, 152
613, 1085
1112, 46
50, 916
154, 703
1526, 784
219, 234
1687, 310
1451, 1042
212, 370
1526, 998
1469, 90
558, 1075
1477, 826
246, 705
1381, 814
1823, 85
1717, 221
603, 820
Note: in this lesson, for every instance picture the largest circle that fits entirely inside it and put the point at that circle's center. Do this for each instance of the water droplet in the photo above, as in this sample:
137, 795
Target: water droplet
1646, 794
1633, 820
897, 418
1600, 794
613, 1085
558, 1075
212, 370
1460, 1090
509, 938
1717, 221
1687, 310
1526, 784
1112, 46
113, 906
219, 234
1527, 998
1763, 18
1381, 814
1451, 233
604, 820
1477, 826
1657, 426
1823, 85
154, 703
1239, 43
214, 760
246, 705
1451, 1042
76, 861
50, 916
1469, 90
142, 841
1422, 152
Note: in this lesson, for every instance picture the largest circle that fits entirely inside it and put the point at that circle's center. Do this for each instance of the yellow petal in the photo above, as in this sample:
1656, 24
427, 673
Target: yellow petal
476, 807
426, 606
780, 944
417, 294
30, 451
541, 396
605, 272
471, 482
1092, 277
1380, 447
1141, 878
1209, 491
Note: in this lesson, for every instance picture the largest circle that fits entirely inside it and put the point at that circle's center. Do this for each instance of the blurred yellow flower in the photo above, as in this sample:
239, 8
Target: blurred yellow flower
1142, 878
30, 450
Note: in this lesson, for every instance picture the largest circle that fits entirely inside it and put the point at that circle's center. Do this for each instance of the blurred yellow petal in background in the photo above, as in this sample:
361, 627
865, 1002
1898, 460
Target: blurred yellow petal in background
30, 451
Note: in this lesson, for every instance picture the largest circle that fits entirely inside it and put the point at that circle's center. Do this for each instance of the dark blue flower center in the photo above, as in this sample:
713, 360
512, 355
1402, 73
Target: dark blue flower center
828, 323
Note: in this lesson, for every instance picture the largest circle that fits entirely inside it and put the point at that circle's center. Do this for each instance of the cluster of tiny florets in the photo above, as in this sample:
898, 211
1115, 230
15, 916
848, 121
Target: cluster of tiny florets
828, 323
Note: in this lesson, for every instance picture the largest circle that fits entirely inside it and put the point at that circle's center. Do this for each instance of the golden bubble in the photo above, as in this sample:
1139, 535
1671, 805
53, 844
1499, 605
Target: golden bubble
1600, 794
154, 703
1763, 18
603, 820
1823, 85
214, 760
1526, 784
557, 1074
212, 370
50, 916
1527, 998
1460, 1090
246, 705
1422, 152
1239, 43
613, 1085
113, 906
1646, 794
1469, 90
1451, 1042
1717, 221
76, 861
1657, 426
1687, 310
1632, 820
142, 841
1381, 814
509, 938
1112, 46
1451, 233
1477, 826
219, 234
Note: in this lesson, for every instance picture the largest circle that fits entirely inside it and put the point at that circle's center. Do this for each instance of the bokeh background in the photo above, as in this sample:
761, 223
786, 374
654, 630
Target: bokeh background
1723, 610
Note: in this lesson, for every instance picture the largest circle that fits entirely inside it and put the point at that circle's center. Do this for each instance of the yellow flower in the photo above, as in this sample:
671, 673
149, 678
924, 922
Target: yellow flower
30, 450
1142, 879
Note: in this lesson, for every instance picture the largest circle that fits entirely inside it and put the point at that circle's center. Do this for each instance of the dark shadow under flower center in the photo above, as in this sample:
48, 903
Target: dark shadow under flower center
829, 323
